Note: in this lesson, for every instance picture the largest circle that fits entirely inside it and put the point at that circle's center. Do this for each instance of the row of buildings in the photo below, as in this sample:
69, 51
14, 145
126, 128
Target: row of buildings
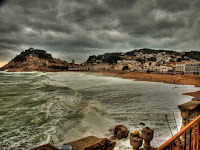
170, 67
158, 63
163, 57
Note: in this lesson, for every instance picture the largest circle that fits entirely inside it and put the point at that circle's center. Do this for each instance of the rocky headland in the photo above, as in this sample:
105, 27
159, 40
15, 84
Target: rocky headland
36, 60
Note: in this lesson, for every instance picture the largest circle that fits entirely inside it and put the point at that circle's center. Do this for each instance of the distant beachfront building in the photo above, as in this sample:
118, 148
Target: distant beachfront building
85, 67
137, 68
118, 67
132, 64
165, 69
102, 67
192, 67
180, 67
98, 67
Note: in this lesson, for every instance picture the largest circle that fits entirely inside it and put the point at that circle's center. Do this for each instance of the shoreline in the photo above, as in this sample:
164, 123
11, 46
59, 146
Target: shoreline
186, 79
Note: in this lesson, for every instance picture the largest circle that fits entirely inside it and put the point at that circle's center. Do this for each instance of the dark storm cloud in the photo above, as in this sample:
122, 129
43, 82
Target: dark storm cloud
74, 29
174, 6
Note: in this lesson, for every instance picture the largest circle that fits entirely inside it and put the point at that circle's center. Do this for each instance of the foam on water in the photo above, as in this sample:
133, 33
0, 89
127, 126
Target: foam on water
36, 108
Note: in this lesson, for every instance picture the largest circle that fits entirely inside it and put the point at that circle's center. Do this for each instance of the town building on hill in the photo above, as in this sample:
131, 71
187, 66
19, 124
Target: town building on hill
152, 67
146, 66
143, 60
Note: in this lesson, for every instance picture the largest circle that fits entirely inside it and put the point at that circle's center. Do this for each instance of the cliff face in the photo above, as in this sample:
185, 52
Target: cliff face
35, 60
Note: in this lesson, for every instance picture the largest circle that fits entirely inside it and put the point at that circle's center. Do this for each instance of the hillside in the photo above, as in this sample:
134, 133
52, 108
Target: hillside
35, 60
111, 58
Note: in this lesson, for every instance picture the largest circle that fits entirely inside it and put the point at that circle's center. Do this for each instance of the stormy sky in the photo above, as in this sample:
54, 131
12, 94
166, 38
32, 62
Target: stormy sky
75, 29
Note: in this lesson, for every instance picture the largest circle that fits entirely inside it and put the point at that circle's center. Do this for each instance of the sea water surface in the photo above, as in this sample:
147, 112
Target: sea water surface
36, 108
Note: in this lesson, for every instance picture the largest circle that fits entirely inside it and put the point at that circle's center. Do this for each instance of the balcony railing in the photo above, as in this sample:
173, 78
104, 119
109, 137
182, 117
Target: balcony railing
186, 139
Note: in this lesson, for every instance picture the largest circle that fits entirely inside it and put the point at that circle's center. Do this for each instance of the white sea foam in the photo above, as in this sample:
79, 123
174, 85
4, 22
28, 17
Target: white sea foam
62, 107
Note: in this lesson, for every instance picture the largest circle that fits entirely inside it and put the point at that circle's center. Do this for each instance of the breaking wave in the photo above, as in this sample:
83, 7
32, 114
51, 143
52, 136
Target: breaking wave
37, 107
48, 112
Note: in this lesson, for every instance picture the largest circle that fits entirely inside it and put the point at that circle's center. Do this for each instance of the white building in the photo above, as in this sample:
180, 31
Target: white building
124, 61
180, 67
192, 67
163, 59
102, 67
165, 69
139, 55
152, 67
118, 67
167, 59
137, 68
146, 66
132, 64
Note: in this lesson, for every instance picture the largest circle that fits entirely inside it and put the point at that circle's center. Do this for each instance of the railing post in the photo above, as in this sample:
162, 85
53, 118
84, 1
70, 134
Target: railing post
185, 144
184, 133
197, 135
185, 115
185, 120
194, 138
190, 139
179, 144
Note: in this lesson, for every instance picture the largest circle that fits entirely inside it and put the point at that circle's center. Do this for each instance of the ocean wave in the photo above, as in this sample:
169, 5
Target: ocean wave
91, 118
37, 108
35, 73
69, 114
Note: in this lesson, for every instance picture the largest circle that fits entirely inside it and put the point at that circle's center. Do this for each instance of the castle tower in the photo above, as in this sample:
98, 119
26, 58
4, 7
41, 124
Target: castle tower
73, 62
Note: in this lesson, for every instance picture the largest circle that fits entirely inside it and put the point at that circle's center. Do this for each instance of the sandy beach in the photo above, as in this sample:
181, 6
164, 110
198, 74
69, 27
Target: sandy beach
186, 79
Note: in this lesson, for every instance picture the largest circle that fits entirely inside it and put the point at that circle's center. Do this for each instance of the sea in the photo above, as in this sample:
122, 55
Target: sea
38, 108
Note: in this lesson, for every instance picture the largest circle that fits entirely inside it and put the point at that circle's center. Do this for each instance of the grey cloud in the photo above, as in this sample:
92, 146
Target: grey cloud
173, 6
119, 4
78, 29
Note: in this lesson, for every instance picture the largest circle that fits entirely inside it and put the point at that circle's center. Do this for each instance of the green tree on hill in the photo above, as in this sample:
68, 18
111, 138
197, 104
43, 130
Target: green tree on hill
193, 55
36, 53
110, 58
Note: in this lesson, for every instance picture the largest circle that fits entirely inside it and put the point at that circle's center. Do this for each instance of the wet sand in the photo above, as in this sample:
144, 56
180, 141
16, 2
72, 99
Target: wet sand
186, 79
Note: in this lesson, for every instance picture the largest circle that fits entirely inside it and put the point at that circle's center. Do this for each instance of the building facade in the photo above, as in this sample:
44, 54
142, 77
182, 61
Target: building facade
180, 67
192, 67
